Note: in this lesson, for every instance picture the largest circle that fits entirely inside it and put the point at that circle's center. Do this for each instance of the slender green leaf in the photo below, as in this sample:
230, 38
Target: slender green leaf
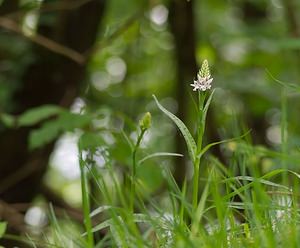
206, 148
262, 181
207, 106
190, 142
160, 154
247, 186
290, 86
138, 218
200, 208
101, 209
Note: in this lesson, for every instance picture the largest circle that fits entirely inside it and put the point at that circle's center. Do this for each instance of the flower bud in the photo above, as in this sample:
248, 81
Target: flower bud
204, 71
145, 122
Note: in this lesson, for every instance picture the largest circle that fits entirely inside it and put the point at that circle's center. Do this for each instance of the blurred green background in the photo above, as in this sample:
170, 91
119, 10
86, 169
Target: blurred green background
107, 58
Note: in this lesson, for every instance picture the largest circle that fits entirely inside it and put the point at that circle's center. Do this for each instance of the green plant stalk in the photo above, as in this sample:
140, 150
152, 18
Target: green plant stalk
283, 130
197, 159
133, 171
86, 203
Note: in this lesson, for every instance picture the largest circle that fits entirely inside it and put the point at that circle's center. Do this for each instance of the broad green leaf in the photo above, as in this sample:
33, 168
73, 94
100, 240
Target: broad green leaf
69, 121
8, 120
35, 115
90, 140
189, 140
3, 226
52, 129
44, 135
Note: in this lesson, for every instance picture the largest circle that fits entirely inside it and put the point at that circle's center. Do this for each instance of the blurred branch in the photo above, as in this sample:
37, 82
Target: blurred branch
43, 41
12, 216
61, 211
18, 176
11, 25
118, 32
291, 15
8, 6
60, 205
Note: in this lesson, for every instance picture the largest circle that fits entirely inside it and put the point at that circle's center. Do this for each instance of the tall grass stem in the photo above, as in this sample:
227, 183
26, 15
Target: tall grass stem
86, 202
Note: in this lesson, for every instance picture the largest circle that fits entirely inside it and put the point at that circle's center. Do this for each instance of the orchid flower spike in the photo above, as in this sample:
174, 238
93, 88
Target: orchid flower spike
204, 80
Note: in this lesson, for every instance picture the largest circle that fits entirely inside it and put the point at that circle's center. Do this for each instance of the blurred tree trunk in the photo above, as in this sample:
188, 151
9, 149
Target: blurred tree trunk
49, 79
182, 26
8, 6
255, 13
291, 13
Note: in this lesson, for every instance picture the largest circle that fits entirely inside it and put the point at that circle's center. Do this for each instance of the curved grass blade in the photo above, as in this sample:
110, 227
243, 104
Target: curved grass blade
137, 218
247, 186
290, 86
259, 180
206, 148
160, 154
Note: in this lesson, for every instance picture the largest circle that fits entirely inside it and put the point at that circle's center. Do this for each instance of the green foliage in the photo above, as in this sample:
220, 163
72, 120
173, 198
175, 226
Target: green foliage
50, 130
35, 115
3, 226
7, 120
248, 197
89, 140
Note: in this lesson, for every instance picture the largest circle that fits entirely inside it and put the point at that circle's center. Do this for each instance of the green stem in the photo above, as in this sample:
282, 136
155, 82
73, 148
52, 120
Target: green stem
284, 130
86, 203
133, 171
200, 132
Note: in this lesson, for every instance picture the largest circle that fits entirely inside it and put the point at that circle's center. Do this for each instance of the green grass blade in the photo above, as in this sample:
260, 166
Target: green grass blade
86, 201
206, 107
159, 154
206, 148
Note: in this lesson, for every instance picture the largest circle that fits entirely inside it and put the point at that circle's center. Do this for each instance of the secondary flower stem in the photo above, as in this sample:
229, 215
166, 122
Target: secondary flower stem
133, 171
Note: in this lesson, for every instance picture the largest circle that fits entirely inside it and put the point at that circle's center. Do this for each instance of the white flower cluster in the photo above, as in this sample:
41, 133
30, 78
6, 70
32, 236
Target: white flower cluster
204, 80
202, 84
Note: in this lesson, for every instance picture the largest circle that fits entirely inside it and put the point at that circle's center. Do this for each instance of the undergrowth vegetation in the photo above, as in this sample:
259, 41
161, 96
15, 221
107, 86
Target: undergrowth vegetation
232, 204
